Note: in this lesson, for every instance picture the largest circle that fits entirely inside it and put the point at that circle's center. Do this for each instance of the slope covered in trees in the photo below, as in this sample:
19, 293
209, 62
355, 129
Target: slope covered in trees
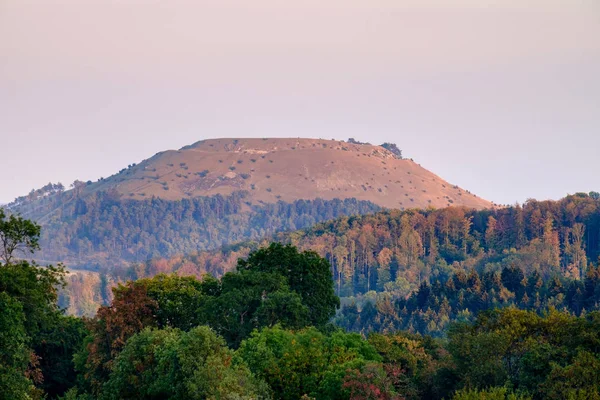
394, 252
262, 332
217, 192
105, 230
367, 252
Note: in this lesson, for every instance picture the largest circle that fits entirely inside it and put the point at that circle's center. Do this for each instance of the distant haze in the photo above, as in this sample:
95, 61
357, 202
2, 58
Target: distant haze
501, 98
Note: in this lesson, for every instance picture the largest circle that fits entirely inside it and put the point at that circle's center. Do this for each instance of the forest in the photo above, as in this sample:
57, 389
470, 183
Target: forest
455, 254
103, 230
264, 330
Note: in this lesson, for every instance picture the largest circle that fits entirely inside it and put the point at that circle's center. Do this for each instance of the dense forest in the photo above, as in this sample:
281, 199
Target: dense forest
103, 229
263, 331
390, 254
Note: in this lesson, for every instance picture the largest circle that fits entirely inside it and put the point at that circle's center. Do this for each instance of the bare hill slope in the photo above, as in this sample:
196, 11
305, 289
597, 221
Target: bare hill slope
287, 170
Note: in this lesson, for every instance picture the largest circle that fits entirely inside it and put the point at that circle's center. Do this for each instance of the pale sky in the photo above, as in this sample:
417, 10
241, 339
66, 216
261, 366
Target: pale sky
501, 98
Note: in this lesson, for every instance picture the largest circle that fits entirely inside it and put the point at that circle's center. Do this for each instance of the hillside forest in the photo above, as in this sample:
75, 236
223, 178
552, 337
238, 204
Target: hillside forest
264, 330
103, 230
418, 269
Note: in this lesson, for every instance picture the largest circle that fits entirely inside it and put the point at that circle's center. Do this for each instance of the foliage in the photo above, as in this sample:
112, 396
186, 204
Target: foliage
307, 274
14, 355
248, 300
518, 322
36, 341
17, 235
171, 364
55, 348
375, 381
551, 356
498, 393
102, 230
393, 148
306, 362
394, 252
412, 361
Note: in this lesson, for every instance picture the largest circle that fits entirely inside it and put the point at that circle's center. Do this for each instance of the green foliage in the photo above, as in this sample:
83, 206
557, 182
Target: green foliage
33, 290
177, 298
102, 230
36, 341
416, 359
151, 341
36, 289
17, 235
171, 364
497, 393
240, 302
578, 380
549, 357
307, 274
14, 355
306, 362
248, 300
56, 347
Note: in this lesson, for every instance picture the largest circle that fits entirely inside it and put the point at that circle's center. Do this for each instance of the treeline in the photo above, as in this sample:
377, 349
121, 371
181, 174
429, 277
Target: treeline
435, 306
102, 230
396, 251
262, 332
45, 192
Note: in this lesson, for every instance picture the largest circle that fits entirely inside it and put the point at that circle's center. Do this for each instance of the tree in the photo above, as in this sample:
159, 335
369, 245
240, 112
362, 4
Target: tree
14, 354
130, 312
393, 148
375, 381
384, 258
248, 300
306, 362
55, 349
177, 298
306, 273
36, 351
17, 235
578, 380
490, 234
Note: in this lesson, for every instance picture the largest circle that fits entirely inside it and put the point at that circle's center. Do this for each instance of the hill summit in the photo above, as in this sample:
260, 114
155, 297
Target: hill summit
288, 169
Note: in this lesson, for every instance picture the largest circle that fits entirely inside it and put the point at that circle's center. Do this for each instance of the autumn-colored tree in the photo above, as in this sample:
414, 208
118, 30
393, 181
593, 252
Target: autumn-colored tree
131, 311
374, 382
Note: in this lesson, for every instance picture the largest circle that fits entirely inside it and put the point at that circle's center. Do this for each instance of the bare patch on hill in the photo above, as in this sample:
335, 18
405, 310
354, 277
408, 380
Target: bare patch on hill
289, 169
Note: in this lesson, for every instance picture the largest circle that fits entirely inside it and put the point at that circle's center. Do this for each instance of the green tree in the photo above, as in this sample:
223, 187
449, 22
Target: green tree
38, 339
306, 362
14, 354
171, 364
248, 300
307, 274
17, 235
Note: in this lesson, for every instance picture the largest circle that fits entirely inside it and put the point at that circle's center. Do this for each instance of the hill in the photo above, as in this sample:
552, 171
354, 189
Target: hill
222, 191
288, 170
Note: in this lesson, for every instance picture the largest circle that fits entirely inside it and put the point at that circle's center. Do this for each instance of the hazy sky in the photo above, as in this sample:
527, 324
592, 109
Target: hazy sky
501, 98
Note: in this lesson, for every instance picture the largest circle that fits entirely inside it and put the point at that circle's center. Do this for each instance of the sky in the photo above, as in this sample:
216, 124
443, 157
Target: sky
499, 97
